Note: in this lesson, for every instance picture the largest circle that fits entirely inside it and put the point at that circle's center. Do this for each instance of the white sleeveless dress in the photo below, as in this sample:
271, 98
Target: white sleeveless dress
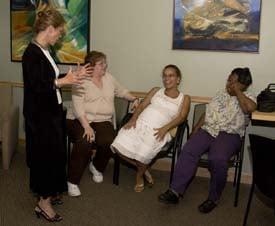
140, 143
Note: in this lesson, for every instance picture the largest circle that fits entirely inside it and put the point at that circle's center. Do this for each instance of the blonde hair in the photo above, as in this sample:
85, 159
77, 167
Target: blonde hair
47, 17
94, 56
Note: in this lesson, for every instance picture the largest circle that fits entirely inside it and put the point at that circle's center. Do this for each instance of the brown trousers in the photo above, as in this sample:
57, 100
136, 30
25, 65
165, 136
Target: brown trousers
81, 152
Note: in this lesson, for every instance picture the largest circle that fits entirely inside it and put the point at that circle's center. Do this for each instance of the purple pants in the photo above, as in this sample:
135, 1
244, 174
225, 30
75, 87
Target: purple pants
220, 150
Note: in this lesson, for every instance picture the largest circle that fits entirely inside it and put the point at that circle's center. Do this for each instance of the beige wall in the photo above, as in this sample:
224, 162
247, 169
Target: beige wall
137, 38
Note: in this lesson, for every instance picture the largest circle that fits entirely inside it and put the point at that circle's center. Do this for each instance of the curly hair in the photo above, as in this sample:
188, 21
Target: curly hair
94, 56
47, 17
244, 75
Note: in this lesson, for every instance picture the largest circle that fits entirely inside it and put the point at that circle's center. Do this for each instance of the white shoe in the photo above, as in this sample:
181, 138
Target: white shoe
73, 190
97, 176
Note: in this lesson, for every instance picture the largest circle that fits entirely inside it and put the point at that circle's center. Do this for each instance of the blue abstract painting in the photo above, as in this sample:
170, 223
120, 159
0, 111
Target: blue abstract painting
222, 25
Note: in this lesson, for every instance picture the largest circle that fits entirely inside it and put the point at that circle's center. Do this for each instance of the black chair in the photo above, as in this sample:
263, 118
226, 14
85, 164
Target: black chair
169, 150
263, 165
235, 162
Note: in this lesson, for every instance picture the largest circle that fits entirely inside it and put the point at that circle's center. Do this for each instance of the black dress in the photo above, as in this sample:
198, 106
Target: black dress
44, 125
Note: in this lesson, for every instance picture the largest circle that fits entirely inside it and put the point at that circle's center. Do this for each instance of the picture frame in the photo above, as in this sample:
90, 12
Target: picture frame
218, 25
73, 46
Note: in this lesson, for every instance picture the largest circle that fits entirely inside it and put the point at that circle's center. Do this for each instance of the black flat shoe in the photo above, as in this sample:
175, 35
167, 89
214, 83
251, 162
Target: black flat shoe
168, 197
207, 206
39, 212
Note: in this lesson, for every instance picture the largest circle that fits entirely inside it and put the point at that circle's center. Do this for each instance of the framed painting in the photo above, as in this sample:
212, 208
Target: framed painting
223, 25
74, 45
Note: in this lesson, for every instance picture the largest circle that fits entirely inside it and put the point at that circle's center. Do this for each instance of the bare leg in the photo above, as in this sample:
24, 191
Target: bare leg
131, 161
148, 177
141, 168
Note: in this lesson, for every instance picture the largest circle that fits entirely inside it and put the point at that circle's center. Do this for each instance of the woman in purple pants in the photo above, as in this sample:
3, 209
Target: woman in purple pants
219, 133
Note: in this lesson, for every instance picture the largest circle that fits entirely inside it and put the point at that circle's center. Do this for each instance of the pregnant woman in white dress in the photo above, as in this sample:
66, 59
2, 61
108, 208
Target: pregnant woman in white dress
140, 140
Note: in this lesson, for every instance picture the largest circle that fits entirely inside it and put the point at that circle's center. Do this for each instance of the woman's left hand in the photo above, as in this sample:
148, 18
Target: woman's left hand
237, 87
85, 70
160, 133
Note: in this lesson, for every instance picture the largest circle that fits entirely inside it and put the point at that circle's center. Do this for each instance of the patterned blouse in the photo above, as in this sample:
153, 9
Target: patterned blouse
224, 113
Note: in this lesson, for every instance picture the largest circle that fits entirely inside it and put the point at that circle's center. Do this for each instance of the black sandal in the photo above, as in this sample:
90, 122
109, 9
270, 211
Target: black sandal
39, 212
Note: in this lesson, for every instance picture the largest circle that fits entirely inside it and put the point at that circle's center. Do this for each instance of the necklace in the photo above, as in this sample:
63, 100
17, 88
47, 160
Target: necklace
39, 45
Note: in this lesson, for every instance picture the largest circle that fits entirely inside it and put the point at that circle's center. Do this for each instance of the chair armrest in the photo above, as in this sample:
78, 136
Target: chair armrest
173, 132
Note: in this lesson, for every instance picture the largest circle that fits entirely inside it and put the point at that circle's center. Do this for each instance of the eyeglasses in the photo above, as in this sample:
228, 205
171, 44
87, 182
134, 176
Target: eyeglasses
102, 63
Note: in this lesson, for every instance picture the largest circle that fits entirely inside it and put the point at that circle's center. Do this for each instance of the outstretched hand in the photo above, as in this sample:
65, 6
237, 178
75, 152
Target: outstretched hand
85, 70
72, 78
76, 77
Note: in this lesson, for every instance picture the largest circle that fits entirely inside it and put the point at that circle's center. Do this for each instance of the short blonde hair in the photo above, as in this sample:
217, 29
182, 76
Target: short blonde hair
47, 17
94, 56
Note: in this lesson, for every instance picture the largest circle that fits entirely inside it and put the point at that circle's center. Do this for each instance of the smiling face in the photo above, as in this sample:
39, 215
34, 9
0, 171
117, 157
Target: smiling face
100, 67
170, 78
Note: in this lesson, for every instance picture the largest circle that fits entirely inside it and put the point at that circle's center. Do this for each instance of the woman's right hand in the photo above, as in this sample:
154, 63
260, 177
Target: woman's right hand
130, 124
76, 77
72, 78
89, 134
86, 70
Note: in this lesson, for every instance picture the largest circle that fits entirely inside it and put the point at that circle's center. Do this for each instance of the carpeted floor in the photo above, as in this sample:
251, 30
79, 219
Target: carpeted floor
106, 204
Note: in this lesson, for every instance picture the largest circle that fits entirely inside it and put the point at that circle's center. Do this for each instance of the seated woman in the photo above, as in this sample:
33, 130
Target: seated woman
219, 132
89, 122
139, 141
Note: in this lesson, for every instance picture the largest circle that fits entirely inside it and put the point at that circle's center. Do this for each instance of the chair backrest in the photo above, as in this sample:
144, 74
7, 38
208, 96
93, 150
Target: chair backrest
5, 97
121, 109
199, 110
263, 160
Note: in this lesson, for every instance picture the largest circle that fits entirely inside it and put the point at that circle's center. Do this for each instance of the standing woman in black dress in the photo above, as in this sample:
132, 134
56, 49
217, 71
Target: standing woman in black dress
43, 112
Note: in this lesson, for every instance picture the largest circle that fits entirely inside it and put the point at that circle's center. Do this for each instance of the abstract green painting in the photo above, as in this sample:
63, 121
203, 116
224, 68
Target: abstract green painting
73, 46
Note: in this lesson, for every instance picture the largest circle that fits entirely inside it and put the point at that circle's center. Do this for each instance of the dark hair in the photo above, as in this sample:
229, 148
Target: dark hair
94, 56
244, 75
47, 17
177, 70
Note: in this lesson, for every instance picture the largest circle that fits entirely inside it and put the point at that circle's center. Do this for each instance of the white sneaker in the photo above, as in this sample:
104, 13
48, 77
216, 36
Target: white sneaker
73, 190
97, 176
